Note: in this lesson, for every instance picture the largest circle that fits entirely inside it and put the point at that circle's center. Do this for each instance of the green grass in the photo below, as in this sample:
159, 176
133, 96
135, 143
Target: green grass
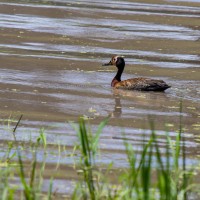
152, 173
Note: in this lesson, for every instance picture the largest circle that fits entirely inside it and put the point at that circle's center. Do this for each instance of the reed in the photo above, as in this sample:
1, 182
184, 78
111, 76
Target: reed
152, 174
31, 177
88, 147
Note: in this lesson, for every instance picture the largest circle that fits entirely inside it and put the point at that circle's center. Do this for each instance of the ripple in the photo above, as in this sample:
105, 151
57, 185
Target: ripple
98, 28
169, 60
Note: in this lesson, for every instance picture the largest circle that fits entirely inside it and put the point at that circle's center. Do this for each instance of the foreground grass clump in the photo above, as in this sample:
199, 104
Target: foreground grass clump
28, 175
152, 173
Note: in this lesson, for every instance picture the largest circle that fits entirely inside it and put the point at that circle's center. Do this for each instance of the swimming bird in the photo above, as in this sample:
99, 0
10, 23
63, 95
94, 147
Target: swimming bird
141, 83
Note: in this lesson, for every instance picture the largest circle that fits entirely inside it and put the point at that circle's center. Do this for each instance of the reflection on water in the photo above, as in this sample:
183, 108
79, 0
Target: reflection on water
51, 55
117, 112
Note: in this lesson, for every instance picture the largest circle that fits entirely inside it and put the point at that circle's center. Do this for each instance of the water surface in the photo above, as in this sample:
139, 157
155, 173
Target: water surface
51, 72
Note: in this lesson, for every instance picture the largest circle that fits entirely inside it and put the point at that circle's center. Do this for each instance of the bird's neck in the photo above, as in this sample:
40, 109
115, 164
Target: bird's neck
117, 77
119, 74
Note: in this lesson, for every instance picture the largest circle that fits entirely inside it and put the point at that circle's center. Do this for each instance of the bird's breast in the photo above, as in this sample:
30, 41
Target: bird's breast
126, 84
114, 82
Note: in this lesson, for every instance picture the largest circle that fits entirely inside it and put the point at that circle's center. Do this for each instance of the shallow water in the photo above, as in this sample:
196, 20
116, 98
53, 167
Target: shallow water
51, 71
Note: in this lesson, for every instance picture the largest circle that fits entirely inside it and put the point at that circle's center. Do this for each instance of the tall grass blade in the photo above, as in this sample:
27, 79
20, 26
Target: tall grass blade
164, 174
86, 152
50, 189
27, 191
143, 169
142, 160
168, 185
146, 173
185, 177
32, 178
95, 139
130, 178
4, 196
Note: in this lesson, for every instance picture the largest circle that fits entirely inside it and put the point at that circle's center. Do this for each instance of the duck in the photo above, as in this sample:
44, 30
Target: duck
140, 83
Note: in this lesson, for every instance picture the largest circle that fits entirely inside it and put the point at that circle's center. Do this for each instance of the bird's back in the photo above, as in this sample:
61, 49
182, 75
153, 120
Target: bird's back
142, 84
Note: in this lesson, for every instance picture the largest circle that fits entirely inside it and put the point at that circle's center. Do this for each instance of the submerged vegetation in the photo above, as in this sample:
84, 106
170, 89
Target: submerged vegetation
152, 173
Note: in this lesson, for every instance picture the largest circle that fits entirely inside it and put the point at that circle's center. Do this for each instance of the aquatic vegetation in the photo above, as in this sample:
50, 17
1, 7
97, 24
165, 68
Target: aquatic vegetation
151, 174
30, 177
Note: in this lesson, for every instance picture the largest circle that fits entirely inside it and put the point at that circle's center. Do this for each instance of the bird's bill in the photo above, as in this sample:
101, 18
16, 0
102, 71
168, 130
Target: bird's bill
106, 64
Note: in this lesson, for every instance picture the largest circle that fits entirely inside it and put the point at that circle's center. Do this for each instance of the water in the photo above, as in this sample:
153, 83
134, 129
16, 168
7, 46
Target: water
51, 71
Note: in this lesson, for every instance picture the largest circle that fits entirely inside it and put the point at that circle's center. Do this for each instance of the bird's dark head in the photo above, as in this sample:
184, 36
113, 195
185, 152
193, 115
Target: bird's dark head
117, 61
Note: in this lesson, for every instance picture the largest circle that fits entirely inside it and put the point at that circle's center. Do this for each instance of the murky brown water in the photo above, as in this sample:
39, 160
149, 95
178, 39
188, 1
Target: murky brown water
51, 55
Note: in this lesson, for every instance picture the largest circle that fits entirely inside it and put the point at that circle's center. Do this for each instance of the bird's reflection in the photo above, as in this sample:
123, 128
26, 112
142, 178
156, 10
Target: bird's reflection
140, 99
118, 107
